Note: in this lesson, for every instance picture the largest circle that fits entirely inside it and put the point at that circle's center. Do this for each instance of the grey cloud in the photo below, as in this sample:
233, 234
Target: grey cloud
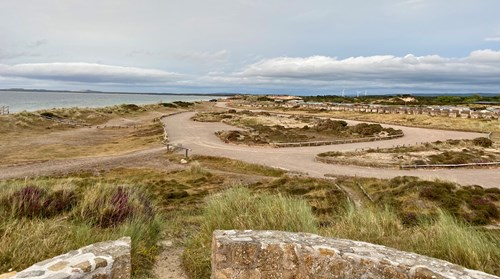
480, 67
493, 38
204, 57
88, 73
37, 43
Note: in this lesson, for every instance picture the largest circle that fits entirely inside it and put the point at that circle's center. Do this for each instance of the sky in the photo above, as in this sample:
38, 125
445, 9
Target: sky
252, 46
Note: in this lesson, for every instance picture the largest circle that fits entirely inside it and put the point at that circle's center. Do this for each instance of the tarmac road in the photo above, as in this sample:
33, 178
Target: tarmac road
200, 138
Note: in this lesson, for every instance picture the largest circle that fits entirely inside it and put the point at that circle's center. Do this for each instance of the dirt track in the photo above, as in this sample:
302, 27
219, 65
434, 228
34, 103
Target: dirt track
199, 136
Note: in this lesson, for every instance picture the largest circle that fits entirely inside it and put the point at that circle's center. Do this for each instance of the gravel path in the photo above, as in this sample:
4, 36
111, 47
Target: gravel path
200, 137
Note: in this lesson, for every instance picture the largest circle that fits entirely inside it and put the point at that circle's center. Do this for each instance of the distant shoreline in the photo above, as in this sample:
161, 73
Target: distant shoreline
220, 94
121, 93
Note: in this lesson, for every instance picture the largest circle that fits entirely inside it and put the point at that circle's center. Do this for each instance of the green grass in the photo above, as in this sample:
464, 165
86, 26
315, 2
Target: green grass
42, 220
444, 238
225, 164
238, 208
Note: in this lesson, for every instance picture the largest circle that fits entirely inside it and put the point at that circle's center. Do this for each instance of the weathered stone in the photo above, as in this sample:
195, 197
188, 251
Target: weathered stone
84, 266
58, 266
31, 273
100, 276
100, 262
7, 275
58, 276
121, 267
422, 272
271, 258
93, 261
273, 254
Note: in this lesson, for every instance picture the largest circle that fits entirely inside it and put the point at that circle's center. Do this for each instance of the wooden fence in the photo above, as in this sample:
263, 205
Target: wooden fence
449, 165
4, 110
340, 141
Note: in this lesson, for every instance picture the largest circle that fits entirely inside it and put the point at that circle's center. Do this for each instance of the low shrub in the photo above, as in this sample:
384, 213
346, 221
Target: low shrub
33, 201
183, 104
168, 105
483, 142
108, 206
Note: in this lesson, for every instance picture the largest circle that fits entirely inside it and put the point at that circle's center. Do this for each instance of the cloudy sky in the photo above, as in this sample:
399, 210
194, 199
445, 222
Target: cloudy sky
253, 46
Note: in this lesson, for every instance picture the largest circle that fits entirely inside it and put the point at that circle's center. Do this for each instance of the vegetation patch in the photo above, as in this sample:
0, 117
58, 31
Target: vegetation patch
479, 150
238, 208
262, 128
65, 216
417, 201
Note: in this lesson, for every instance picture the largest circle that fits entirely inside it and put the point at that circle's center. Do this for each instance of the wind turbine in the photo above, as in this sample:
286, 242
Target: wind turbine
366, 91
343, 92
358, 93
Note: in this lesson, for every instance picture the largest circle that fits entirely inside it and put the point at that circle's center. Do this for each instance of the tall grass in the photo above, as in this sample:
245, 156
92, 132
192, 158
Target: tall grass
39, 222
237, 208
444, 238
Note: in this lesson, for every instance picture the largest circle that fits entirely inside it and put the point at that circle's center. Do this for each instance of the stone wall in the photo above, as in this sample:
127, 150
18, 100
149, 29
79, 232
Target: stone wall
273, 254
110, 259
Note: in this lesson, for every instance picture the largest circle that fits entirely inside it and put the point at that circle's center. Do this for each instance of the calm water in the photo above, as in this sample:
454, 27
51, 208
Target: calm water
31, 101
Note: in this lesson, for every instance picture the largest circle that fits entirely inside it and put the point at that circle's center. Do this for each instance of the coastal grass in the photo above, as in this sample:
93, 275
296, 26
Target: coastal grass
26, 146
424, 121
46, 219
444, 237
239, 208
225, 164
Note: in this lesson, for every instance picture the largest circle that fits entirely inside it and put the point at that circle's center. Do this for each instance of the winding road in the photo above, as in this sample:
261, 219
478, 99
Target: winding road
200, 138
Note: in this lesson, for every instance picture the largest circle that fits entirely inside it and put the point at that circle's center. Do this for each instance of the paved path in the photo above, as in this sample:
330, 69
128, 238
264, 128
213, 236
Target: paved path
200, 137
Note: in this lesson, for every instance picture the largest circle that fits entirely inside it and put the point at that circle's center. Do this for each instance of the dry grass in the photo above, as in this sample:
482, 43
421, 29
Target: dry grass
29, 235
425, 121
238, 208
37, 138
444, 238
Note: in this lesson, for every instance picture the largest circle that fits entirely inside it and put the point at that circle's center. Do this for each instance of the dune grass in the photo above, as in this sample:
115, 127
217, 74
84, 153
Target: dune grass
238, 208
40, 221
225, 164
444, 237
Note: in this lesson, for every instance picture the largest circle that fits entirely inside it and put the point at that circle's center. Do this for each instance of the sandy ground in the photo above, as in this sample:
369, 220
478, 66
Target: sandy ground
168, 265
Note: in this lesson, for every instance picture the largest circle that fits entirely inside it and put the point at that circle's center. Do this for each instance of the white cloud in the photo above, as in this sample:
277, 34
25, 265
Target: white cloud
480, 64
495, 38
88, 73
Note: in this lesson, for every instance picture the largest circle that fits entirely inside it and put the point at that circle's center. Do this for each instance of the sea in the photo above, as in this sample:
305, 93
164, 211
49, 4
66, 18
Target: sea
18, 101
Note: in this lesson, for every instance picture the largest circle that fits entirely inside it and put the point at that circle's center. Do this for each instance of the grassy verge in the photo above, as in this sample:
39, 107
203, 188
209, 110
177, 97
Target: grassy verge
225, 164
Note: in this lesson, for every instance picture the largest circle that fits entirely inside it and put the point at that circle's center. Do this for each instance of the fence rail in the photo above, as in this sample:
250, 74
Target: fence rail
4, 110
320, 143
449, 165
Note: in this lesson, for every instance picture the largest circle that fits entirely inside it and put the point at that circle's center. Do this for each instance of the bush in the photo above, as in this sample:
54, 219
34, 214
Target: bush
483, 142
48, 114
34, 201
237, 208
366, 129
168, 105
109, 206
183, 104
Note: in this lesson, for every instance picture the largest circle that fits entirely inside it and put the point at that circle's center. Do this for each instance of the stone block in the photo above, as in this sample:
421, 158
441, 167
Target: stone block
275, 254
